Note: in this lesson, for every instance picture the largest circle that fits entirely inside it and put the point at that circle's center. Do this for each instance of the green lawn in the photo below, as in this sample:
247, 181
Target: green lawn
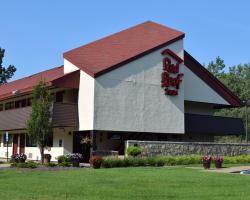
124, 183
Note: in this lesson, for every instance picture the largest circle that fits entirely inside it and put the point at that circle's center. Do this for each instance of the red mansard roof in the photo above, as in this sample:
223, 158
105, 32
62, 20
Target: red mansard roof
54, 77
115, 50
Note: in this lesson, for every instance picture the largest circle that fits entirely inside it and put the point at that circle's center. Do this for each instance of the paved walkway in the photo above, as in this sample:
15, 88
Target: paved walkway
224, 170
231, 169
4, 166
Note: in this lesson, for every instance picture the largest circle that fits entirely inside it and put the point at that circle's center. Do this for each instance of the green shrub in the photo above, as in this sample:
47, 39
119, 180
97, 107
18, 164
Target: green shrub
170, 161
62, 158
140, 162
160, 162
134, 151
127, 162
64, 164
96, 161
111, 161
152, 161
29, 164
242, 159
50, 164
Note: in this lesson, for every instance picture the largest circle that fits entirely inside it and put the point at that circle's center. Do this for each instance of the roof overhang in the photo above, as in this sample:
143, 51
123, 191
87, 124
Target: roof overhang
212, 81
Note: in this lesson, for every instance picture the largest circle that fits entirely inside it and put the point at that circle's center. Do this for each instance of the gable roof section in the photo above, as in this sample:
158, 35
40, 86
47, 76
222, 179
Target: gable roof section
54, 77
106, 54
211, 80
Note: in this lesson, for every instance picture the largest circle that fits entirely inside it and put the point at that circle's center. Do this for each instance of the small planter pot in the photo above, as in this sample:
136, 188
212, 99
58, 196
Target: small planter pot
46, 160
76, 163
207, 165
97, 165
218, 164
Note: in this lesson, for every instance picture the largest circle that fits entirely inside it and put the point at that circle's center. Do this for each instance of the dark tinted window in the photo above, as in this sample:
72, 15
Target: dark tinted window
59, 97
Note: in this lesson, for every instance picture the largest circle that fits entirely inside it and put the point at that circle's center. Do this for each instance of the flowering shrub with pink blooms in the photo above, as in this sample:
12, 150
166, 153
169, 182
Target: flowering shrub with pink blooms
206, 161
18, 158
218, 159
206, 158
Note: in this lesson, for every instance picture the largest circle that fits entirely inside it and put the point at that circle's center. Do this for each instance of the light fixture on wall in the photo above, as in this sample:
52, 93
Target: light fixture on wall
69, 133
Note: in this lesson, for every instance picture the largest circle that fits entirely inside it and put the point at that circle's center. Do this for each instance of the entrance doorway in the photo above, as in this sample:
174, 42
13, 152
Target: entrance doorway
21, 138
81, 144
22, 143
15, 144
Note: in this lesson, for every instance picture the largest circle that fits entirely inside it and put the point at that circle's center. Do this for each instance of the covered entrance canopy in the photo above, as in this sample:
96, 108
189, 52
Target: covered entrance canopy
213, 125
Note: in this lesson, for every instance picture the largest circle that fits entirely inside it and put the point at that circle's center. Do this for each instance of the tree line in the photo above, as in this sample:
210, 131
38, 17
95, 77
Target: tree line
237, 79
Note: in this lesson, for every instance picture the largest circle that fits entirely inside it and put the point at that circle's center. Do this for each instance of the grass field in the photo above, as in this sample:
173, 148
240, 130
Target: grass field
124, 183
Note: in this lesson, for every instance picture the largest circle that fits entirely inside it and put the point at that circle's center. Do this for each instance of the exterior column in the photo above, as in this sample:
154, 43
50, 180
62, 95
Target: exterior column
93, 141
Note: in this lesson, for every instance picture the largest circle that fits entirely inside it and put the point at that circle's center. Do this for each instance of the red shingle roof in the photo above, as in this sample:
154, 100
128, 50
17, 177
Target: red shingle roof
26, 84
110, 52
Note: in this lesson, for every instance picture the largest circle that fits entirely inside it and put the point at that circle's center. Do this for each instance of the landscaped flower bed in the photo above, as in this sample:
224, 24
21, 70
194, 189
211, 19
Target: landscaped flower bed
18, 158
112, 161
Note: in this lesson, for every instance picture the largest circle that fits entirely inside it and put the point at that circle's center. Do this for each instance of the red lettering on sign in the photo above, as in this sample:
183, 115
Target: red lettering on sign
171, 78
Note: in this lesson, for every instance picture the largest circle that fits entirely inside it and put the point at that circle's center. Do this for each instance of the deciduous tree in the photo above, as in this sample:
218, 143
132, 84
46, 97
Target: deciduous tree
237, 79
39, 125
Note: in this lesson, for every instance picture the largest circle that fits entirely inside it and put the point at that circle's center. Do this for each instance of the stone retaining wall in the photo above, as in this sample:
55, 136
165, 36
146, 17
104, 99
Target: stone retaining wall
152, 148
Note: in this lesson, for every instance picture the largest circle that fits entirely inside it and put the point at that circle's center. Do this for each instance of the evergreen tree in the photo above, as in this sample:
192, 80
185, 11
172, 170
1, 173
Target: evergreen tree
217, 67
5, 73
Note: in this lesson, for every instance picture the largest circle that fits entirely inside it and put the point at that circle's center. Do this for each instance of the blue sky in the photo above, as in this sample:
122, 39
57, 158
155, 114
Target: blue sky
36, 33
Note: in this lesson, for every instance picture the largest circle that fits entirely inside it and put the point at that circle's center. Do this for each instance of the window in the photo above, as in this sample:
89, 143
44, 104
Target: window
59, 97
10, 140
9, 105
30, 142
29, 101
21, 103
49, 141
60, 143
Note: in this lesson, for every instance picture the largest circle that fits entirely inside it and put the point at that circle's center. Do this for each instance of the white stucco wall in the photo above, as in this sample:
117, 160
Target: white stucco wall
33, 153
69, 67
197, 90
86, 102
130, 98
85, 97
